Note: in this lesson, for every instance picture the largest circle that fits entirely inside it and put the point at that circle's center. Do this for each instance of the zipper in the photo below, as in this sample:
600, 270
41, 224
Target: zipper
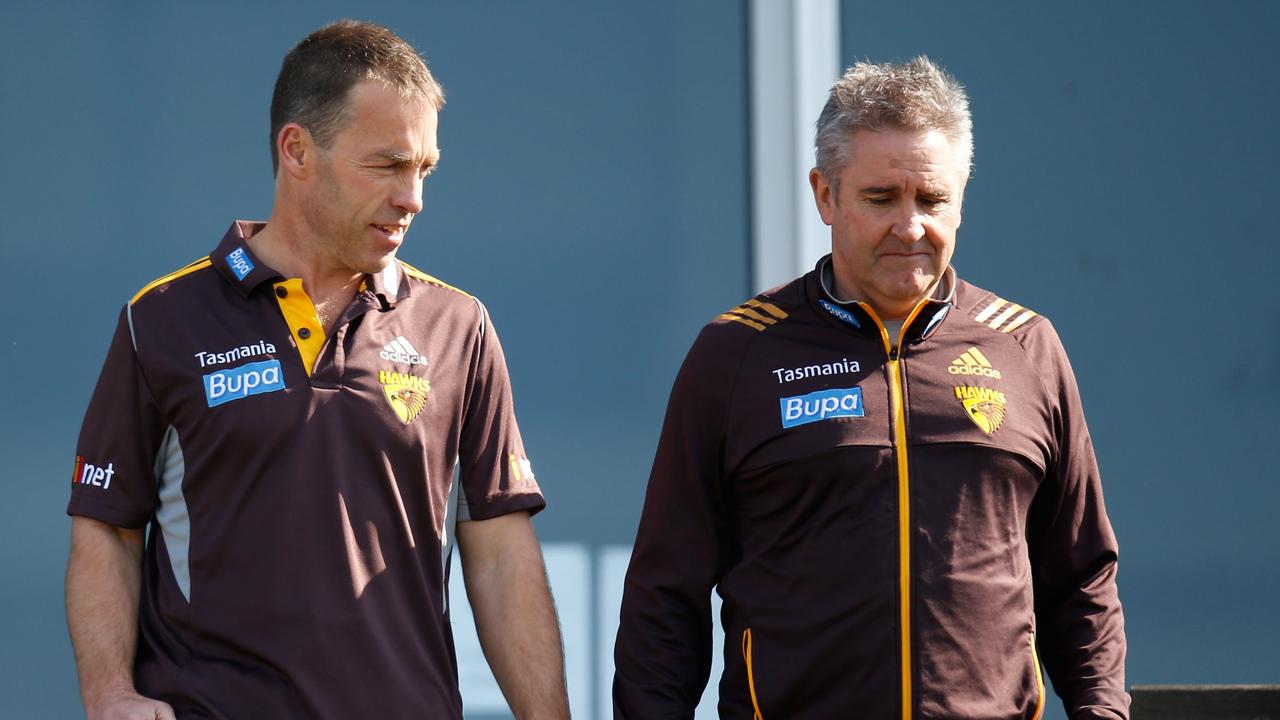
899, 419
1035, 659
751, 678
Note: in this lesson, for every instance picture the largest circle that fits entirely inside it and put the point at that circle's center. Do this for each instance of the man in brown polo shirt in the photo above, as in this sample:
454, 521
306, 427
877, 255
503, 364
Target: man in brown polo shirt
883, 470
303, 424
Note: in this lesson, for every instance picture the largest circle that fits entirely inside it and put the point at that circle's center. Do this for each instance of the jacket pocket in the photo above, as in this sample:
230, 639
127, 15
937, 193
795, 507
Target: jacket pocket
1035, 662
751, 676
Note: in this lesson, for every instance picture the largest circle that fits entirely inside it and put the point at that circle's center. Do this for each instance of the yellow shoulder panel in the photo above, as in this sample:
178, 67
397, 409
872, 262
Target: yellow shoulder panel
415, 272
200, 264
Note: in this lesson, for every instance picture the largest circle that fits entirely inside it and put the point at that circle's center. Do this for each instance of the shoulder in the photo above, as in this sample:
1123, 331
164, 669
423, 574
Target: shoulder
445, 298
760, 314
999, 318
433, 284
725, 342
994, 313
183, 277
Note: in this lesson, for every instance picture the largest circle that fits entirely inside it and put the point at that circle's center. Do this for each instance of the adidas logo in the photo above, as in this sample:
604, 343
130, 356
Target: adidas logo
973, 362
402, 351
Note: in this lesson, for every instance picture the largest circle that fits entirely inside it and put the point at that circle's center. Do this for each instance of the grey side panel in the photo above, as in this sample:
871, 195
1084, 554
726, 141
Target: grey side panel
133, 337
172, 515
455, 505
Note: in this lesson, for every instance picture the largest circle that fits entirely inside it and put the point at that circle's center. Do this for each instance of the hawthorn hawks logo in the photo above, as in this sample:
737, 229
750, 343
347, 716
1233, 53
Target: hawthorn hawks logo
984, 406
407, 394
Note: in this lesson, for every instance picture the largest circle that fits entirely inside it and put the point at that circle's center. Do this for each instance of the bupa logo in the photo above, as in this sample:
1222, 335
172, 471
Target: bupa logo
840, 313
240, 382
240, 263
86, 473
821, 405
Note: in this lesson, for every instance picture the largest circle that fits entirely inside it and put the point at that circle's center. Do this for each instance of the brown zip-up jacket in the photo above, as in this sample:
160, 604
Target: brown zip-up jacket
896, 532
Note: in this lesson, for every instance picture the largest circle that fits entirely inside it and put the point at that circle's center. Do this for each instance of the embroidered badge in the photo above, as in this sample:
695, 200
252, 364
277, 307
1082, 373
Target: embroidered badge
407, 394
984, 406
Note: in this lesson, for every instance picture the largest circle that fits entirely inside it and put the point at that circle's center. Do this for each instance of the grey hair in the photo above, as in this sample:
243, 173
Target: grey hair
915, 95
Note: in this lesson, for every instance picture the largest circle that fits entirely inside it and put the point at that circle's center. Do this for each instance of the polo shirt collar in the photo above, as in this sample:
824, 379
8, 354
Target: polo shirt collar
236, 261
389, 286
245, 271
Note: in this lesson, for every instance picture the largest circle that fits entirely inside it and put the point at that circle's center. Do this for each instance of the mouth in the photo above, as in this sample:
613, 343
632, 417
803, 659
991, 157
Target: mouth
394, 233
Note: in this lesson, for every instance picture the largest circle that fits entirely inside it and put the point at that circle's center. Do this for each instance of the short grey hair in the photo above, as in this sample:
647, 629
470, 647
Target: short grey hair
915, 95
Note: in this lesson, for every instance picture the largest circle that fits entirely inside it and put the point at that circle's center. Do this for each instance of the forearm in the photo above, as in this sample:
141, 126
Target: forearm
517, 624
103, 583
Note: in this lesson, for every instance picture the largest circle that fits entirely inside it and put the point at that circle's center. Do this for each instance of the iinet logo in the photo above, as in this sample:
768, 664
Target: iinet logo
87, 473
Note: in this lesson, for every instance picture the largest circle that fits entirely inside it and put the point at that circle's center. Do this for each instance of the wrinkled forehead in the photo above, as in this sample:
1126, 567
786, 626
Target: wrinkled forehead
927, 152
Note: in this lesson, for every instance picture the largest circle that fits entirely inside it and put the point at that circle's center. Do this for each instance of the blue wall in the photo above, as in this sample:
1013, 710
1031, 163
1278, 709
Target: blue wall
1125, 186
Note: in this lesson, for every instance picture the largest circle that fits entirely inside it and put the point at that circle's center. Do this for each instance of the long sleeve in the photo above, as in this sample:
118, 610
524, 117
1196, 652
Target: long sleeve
1074, 556
663, 650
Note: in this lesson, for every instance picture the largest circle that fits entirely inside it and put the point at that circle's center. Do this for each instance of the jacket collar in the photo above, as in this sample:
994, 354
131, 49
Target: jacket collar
859, 316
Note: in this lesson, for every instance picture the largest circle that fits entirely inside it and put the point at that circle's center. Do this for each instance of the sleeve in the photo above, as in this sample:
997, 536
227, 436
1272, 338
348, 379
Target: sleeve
663, 651
1080, 624
114, 476
495, 474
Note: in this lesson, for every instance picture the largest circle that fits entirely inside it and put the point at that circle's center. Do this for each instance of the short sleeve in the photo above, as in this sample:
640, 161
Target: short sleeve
114, 478
495, 473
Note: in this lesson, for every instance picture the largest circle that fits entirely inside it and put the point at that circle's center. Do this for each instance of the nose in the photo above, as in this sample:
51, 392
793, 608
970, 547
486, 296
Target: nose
909, 226
408, 196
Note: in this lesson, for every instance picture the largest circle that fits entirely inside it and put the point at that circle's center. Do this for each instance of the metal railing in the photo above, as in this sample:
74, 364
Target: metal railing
1205, 702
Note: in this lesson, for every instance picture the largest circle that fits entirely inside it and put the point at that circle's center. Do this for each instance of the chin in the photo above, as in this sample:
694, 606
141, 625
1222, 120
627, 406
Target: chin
379, 264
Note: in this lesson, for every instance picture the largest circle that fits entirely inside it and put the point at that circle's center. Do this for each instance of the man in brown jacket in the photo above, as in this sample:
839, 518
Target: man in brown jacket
883, 470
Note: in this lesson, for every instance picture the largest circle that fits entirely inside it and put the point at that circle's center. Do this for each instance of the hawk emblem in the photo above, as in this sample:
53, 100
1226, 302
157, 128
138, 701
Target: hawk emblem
987, 414
406, 394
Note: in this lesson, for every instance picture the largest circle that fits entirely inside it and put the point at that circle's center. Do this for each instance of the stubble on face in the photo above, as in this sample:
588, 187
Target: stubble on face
369, 179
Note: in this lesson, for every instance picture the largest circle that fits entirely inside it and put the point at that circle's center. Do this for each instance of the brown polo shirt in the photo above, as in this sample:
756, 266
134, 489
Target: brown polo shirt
300, 489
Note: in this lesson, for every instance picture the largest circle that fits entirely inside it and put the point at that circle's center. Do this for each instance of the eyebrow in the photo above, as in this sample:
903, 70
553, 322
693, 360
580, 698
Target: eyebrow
939, 192
401, 157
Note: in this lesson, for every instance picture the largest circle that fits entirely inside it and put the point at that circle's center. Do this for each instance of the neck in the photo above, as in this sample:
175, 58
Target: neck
285, 245
845, 293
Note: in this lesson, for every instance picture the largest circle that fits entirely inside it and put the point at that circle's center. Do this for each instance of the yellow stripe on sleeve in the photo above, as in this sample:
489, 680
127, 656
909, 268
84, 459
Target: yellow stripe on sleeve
749, 323
990, 310
1004, 315
416, 273
200, 264
770, 308
1019, 321
747, 312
